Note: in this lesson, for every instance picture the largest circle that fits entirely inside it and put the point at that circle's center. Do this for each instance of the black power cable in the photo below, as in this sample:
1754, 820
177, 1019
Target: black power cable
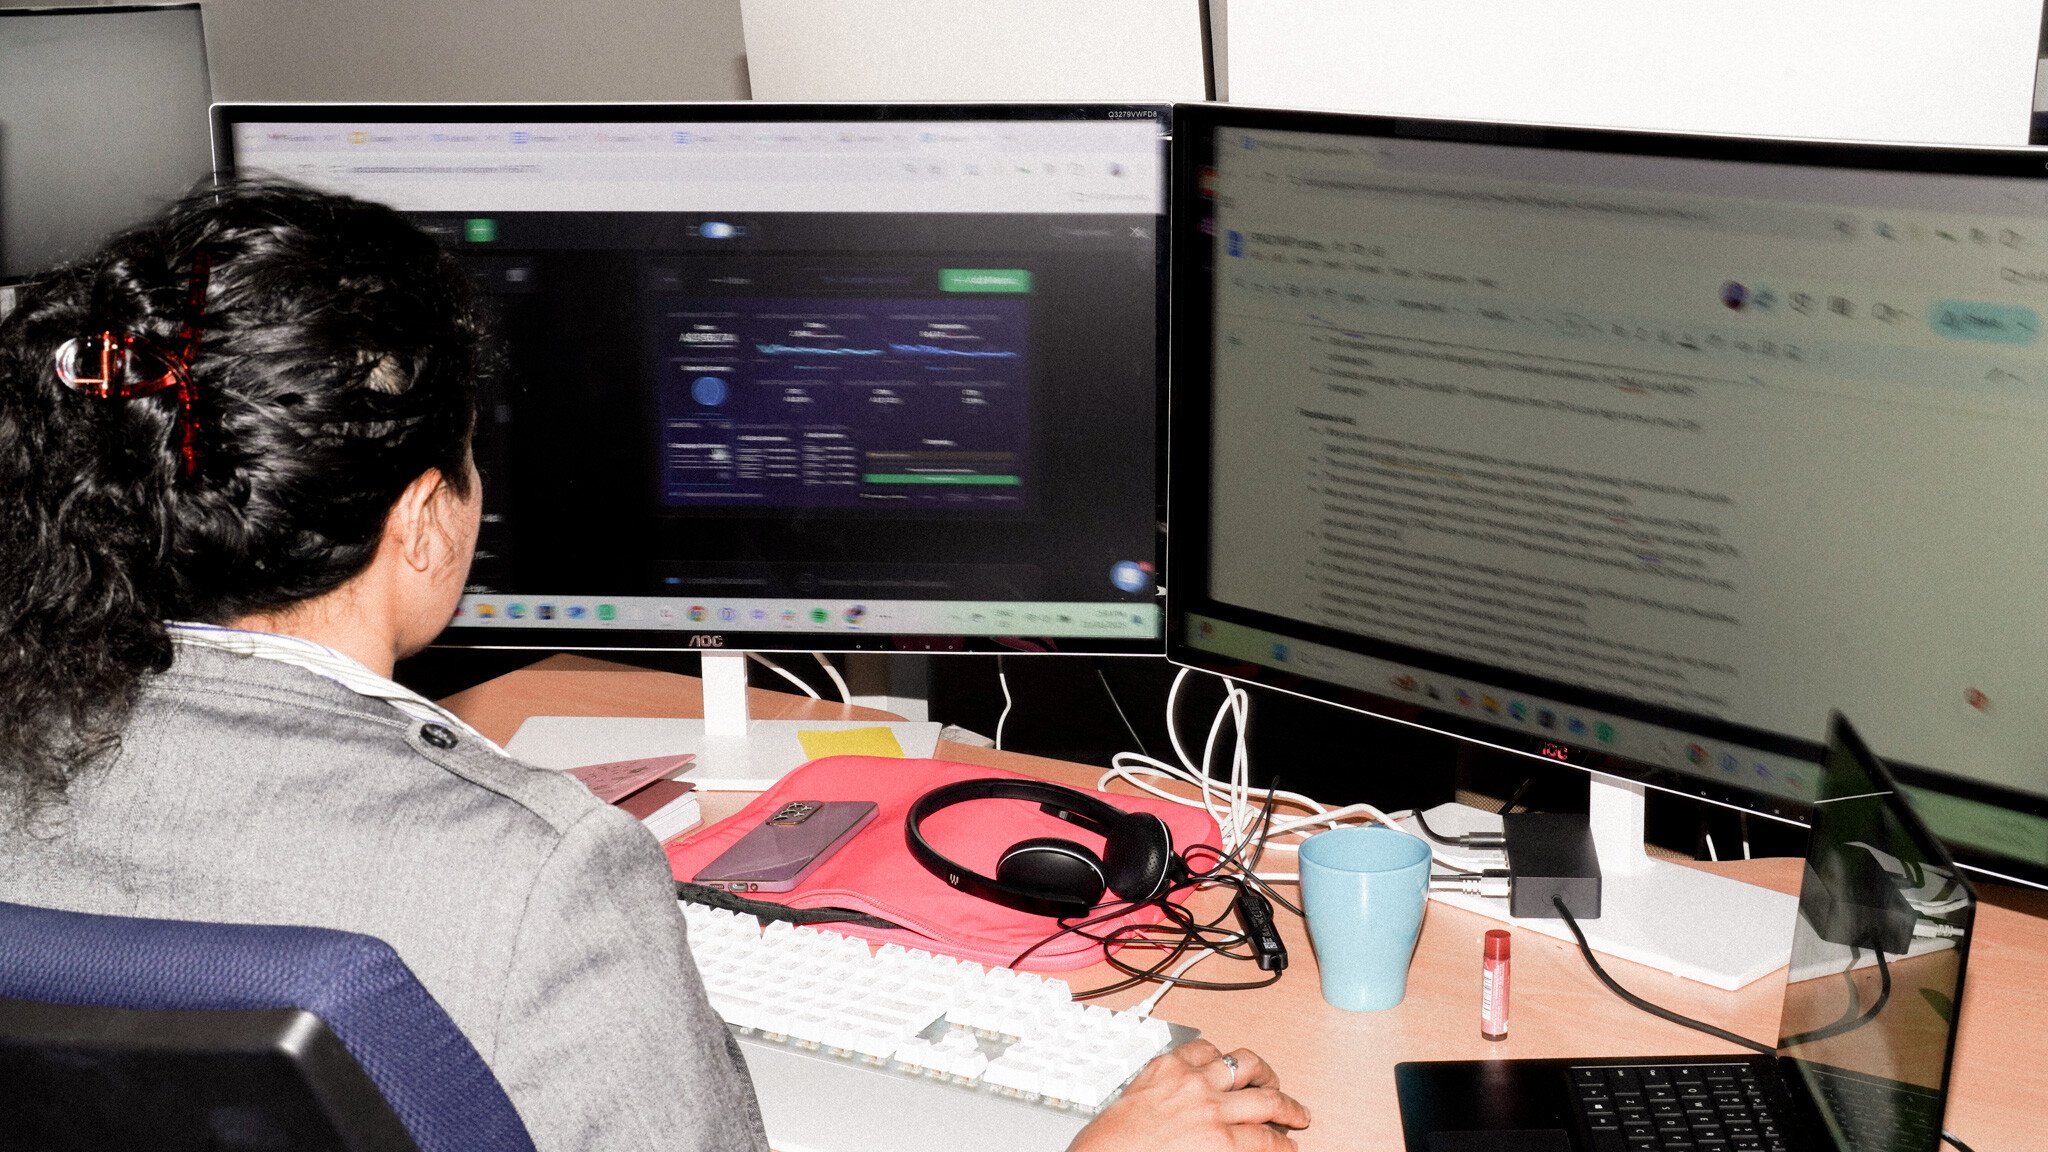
1852, 1019
1653, 1009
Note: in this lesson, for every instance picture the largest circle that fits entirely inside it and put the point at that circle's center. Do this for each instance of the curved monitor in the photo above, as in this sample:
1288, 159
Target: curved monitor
817, 377
1636, 452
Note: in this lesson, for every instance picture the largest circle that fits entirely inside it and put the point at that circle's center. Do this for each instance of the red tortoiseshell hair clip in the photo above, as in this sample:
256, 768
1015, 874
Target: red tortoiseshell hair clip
122, 365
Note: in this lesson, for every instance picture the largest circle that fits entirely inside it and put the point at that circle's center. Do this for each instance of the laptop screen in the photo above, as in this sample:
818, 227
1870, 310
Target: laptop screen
1877, 960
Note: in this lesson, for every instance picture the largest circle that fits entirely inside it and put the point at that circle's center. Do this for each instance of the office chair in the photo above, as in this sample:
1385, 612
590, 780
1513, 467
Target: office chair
124, 1033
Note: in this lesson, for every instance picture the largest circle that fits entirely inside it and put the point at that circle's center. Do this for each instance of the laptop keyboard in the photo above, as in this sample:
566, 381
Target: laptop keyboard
1879, 1117
1678, 1108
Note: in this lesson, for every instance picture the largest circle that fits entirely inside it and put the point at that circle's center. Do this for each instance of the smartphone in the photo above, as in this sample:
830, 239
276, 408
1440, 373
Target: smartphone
789, 845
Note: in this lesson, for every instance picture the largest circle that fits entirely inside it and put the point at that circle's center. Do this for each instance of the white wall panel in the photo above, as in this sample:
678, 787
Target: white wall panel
959, 50
1959, 72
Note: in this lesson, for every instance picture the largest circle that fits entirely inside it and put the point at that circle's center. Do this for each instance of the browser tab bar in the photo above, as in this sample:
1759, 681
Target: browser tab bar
1084, 166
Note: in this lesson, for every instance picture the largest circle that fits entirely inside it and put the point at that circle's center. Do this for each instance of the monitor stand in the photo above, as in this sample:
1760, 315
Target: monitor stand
1682, 920
734, 752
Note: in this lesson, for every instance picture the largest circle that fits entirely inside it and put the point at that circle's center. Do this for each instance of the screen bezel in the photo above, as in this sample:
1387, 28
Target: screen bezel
1189, 477
226, 115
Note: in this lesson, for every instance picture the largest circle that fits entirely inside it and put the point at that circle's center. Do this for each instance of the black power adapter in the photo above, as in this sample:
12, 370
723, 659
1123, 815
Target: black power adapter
1551, 854
1849, 899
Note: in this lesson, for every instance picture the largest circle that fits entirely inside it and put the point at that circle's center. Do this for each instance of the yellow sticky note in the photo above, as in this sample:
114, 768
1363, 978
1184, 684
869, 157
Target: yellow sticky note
849, 742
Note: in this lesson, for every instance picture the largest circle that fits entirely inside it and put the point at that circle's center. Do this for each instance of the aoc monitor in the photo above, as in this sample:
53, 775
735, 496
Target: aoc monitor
102, 122
814, 377
1642, 453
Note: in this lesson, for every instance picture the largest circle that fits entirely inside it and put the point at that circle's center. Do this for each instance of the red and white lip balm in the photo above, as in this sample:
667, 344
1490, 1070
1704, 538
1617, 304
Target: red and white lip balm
1493, 987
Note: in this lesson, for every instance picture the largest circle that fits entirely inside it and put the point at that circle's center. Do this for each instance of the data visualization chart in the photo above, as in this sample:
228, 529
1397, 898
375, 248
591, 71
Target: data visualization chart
823, 403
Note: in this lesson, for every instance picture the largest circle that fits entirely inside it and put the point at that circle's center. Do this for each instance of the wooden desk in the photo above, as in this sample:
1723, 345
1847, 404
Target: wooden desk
1340, 1064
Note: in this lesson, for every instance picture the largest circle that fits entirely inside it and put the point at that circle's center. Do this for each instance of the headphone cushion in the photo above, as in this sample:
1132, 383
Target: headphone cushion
1055, 867
1137, 855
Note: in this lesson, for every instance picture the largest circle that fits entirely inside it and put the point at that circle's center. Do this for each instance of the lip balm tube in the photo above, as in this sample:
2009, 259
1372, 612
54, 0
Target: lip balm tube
1493, 987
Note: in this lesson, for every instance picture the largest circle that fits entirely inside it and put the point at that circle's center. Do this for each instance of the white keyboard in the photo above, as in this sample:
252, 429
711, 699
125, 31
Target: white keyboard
844, 1042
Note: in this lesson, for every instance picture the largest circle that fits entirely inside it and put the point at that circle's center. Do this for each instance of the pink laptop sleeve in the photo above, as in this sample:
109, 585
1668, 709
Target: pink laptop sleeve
875, 873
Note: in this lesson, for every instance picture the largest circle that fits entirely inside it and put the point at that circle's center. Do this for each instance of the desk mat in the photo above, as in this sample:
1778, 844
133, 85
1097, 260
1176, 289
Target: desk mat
875, 873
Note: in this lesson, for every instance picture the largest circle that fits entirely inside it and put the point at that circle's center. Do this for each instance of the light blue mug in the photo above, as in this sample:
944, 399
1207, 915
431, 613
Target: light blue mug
1364, 889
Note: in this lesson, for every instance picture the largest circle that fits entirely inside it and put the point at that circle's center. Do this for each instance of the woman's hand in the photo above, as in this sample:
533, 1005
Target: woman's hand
1194, 1099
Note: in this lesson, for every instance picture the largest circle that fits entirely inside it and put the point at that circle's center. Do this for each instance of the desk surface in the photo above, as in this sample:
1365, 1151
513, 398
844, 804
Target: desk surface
1340, 1064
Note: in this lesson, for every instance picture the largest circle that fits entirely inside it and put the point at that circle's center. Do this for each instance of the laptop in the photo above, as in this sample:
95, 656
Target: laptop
1865, 1035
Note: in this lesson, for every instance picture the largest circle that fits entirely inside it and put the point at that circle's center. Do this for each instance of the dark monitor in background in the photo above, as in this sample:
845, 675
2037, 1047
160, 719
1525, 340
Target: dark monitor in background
1639, 453
821, 378
102, 122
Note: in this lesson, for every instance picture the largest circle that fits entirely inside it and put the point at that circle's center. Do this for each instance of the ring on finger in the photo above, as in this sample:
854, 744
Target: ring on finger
1230, 1062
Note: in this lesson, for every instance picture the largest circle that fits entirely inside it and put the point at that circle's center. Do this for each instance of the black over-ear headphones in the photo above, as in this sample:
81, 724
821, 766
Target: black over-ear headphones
1046, 875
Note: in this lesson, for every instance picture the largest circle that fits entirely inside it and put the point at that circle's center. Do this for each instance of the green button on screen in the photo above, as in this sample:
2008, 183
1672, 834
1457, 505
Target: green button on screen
932, 478
984, 280
480, 230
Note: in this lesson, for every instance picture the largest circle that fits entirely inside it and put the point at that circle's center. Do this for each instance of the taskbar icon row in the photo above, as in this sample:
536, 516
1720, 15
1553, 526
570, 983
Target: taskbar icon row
909, 617
1499, 707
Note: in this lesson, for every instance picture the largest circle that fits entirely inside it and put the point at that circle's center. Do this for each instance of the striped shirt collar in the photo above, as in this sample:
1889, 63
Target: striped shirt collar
325, 662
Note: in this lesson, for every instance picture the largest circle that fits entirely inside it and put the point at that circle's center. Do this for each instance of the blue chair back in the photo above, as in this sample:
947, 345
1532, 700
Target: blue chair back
419, 1061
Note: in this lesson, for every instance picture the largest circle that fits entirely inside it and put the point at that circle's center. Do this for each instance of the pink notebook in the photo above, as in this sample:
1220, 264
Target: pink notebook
614, 781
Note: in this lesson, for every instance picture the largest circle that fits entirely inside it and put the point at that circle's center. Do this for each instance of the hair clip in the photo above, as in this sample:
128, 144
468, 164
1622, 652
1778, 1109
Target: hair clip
111, 365
76, 356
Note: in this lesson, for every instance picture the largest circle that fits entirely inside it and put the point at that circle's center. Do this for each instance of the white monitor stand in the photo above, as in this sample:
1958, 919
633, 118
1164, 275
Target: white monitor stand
734, 752
1691, 923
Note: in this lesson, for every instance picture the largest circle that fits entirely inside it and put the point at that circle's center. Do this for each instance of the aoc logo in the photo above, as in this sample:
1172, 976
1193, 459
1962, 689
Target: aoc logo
707, 641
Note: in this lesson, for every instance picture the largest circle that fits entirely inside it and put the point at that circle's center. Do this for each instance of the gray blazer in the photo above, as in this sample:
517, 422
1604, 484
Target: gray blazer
247, 790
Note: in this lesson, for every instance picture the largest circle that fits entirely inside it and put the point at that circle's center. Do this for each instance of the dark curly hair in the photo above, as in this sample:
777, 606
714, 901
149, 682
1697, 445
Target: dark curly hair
337, 356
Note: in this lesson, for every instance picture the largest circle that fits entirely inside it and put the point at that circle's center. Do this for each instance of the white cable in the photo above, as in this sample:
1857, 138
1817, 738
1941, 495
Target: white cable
1173, 718
1711, 853
785, 673
831, 673
1003, 679
1234, 804
1166, 983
